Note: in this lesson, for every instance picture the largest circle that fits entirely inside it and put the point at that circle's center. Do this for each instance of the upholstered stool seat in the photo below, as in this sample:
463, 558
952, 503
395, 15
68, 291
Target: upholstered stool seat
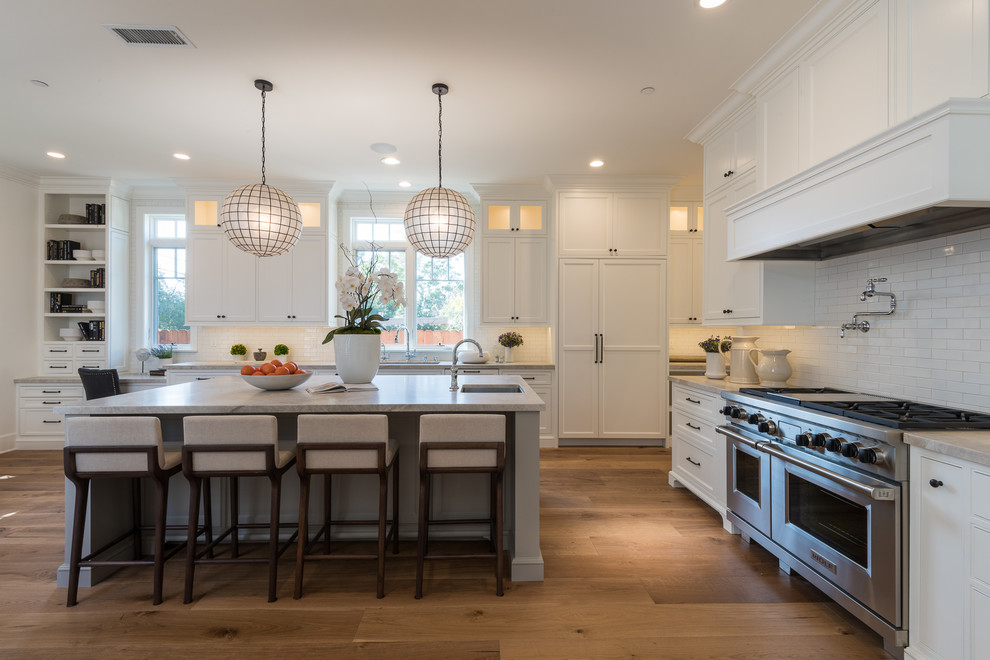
460, 444
234, 446
114, 447
345, 444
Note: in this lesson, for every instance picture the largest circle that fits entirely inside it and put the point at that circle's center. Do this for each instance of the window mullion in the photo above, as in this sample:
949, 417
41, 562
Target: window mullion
411, 269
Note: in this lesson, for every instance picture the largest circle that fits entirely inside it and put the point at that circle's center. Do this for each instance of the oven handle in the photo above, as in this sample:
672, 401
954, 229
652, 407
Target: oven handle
880, 493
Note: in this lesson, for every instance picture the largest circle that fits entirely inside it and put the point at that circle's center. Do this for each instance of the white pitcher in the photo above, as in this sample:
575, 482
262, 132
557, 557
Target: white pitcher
742, 367
773, 369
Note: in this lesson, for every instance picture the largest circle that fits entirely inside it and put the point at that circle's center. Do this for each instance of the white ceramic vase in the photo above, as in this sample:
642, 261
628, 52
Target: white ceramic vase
715, 366
773, 369
508, 354
356, 356
742, 368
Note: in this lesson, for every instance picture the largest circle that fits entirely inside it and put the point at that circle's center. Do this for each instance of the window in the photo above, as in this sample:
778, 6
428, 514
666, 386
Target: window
168, 281
435, 290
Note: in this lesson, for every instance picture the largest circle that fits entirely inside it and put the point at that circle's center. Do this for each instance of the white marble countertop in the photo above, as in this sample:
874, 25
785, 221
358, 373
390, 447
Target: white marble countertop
324, 366
973, 446
232, 395
710, 384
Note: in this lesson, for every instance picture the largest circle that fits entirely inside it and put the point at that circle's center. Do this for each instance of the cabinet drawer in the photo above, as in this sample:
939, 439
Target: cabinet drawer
49, 392
695, 402
531, 377
95, 362
89, 351
57, 368
698, 464
980, 494
698, 430
979, 551
40, 421
55, 350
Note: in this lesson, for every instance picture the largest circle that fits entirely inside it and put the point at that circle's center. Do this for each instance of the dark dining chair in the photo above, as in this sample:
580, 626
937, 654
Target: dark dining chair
98, 383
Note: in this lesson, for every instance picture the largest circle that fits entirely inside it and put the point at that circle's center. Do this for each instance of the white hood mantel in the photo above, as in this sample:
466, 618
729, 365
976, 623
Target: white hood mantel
926, 177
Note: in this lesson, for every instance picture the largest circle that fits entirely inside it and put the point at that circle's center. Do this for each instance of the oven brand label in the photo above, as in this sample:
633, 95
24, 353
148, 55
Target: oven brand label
824, 562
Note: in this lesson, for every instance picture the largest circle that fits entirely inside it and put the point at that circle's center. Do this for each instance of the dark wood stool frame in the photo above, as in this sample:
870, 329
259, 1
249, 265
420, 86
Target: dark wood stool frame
159, 478
196, 478
495, 518
305, 546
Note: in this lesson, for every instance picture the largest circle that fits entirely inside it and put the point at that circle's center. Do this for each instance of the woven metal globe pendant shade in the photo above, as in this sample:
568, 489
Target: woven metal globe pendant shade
439, 222
261, 220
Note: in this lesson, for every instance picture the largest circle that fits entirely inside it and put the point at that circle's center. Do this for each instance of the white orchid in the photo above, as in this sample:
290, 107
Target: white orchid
357, 290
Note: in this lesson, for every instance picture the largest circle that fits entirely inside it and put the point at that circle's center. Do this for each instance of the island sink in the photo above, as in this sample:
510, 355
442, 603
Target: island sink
490, 388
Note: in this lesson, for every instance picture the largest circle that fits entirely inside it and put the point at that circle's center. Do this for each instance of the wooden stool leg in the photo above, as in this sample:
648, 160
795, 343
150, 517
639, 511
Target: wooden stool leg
498, 533
303, 539
273, 537
78, 529
424, 505
161, 506
395, 504
327, 503
136, 517
492, 514
234, 517
382, 516
194, 488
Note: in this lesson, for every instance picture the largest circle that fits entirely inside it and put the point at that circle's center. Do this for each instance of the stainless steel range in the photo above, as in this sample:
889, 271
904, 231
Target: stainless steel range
818, 476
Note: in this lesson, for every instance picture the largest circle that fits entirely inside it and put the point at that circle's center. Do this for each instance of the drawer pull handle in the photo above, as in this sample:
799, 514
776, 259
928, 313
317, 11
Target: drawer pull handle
529, 377
470, 371
693, 462
690, 400
51, 421
692, 426
57, 350
204, 378
935, 483
51, 403
51, 391
55, 366
90, 350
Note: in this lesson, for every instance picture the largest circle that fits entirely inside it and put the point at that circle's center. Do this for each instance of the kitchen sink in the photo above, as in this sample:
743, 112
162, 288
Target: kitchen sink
491, 388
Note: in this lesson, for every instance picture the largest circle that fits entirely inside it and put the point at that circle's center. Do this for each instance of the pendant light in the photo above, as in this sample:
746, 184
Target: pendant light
258, 218
439, 222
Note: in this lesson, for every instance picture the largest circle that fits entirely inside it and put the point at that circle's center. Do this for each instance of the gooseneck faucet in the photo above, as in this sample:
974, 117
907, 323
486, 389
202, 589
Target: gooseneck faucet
409, 353
453, 361
871, 290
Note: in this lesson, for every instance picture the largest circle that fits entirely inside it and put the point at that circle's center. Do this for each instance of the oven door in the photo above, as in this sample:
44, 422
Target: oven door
844, 526
748, 479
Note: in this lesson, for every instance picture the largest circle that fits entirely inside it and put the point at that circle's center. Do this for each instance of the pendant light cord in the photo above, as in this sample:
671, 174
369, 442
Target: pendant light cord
262, 137
440, 140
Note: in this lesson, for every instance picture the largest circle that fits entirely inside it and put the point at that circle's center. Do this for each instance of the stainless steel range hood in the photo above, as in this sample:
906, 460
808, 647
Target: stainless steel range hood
926, 177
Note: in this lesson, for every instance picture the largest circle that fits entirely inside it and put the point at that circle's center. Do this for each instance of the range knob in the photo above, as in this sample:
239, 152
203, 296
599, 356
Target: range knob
803, 439
768, 426
756, 418
819, 439
869, 456
851, 449
835, 444
725, 410
738, 413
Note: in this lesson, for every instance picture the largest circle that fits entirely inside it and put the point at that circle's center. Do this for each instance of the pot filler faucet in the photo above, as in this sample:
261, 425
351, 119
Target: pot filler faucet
871, 290
453, 361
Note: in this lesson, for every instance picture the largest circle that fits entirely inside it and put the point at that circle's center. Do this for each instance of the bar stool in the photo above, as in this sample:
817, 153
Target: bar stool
114, 447
234, 446
98, 383
346, 444
461, 444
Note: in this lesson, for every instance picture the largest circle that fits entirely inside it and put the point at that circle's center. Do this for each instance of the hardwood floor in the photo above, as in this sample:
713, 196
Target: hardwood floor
634, 568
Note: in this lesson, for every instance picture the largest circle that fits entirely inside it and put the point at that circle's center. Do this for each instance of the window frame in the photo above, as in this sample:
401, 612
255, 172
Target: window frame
154, 242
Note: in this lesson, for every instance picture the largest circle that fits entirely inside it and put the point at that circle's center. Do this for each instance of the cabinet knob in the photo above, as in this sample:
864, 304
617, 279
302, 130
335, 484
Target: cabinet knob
935, 483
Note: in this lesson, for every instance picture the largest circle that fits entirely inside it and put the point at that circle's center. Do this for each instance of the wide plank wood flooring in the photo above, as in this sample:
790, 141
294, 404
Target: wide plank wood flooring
634, 569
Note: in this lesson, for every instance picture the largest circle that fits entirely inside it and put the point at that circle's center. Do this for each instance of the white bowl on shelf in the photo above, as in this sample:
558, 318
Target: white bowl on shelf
82, 255
99, 255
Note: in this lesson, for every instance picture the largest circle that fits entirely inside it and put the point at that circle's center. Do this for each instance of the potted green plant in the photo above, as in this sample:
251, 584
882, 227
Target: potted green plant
239, 351
281, 351
714, 349
163, 352
509, 340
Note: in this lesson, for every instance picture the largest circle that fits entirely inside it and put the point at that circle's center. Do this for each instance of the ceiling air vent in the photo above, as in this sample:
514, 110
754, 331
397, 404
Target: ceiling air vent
150, 35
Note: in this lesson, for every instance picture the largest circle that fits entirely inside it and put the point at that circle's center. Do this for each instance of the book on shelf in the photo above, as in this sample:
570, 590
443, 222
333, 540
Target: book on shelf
335, 386
93, 330
96, 214
97, 278
73, 309
57, 301
60, 250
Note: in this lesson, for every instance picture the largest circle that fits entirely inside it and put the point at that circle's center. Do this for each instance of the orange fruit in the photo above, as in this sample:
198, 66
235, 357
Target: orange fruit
281, 371
277, 362
247, 370
291, 366
300, 371
267, 368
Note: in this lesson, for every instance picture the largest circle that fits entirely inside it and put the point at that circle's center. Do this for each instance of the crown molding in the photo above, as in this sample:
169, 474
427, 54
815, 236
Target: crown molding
596, 182
16, 175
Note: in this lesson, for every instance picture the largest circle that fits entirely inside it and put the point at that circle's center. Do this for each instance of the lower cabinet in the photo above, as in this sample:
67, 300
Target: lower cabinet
949, 583
34, 411
698, 452
542, 384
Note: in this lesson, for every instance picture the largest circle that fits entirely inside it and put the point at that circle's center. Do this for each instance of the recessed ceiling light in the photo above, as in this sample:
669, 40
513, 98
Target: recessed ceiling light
55, 154
390, 160
709, 4
597, 163
404, 184
646, 91
39, 83
383, 148
181, 156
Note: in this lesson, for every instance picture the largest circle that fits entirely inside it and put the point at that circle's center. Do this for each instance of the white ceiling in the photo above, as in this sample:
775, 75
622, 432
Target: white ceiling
536, 87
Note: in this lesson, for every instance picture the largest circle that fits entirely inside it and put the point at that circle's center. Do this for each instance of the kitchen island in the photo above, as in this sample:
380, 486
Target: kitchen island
403, 398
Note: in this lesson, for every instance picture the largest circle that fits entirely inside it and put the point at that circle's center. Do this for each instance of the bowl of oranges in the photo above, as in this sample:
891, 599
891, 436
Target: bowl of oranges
275, 375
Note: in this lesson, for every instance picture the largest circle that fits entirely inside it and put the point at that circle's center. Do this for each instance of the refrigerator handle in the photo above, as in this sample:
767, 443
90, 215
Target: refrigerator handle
596, 348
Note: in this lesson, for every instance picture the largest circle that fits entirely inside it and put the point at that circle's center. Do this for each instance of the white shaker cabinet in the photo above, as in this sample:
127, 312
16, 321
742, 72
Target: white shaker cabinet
731, 154
612, 352
293, 287
750, 292
950, 558
686, 276
221, 286
612, 224
514, 279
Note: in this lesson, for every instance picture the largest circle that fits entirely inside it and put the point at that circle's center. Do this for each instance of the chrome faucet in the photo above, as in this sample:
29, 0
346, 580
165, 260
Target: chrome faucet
453, 361
871, 290
409, 353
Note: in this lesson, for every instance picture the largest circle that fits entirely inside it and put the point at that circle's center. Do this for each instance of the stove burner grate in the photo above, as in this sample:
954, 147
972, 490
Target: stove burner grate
904, 414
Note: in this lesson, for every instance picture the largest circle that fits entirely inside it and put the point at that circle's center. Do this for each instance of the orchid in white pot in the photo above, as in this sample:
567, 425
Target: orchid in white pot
358, 290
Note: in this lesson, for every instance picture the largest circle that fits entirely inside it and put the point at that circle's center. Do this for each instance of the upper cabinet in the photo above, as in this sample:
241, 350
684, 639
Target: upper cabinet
612, 224
508, 217
733, 153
